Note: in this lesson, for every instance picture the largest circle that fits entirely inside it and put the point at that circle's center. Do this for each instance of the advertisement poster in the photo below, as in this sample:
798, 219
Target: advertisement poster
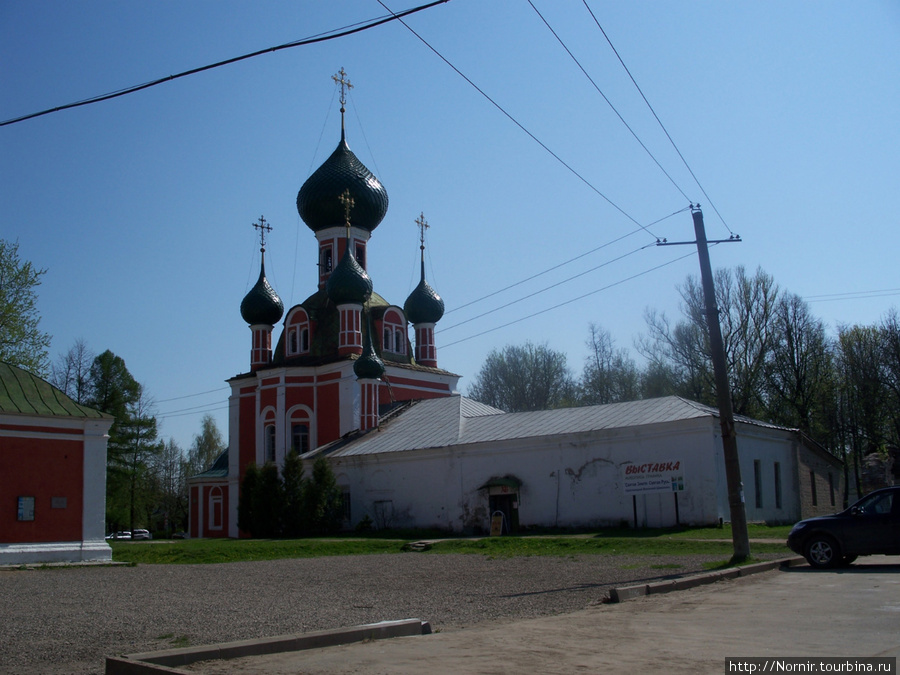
26, 508
647, 477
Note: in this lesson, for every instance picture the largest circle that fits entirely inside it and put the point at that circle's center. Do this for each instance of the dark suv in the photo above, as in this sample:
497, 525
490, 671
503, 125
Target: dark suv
871, 526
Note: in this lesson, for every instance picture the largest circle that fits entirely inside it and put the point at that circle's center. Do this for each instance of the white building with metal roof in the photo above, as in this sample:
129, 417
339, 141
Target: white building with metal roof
458, 465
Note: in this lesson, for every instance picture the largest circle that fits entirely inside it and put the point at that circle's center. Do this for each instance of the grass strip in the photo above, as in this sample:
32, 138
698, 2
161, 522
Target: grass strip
693, 541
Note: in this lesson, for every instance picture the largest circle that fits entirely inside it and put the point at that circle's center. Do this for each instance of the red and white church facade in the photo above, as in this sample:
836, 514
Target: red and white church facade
343, 356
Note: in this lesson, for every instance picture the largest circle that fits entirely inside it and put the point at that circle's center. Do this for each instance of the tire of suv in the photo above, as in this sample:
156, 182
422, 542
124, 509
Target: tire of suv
822, 551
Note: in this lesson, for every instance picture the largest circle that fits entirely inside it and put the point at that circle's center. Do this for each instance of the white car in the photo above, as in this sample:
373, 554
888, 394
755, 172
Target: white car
141, 534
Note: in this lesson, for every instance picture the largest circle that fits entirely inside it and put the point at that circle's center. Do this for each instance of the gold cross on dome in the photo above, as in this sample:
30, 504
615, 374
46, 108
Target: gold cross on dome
264, 228
341, 79
423, 225
347, 202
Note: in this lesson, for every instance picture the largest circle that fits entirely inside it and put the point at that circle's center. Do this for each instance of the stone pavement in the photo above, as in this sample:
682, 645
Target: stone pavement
790, 612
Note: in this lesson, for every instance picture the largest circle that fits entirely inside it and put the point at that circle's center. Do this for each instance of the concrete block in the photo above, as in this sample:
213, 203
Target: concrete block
627, 593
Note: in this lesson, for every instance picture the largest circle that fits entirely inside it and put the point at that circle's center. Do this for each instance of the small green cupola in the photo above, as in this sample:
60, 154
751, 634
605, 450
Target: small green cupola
423, 305
369, 365
261, 307
349, 283
424, 308
262, 304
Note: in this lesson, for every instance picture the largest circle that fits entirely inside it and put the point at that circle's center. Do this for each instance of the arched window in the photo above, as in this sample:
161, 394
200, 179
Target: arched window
297, 326
300, 430
394, 331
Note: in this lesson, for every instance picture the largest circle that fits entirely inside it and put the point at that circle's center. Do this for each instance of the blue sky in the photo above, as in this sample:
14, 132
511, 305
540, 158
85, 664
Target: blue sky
141, 207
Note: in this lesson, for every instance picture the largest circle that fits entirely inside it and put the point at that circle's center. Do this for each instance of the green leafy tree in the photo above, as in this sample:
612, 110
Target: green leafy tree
22, 342
324, 505
207, 445
268, 502
293, 518
246, 501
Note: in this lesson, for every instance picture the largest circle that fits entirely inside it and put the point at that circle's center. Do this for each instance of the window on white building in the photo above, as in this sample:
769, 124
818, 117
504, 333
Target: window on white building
757, 479
777, 485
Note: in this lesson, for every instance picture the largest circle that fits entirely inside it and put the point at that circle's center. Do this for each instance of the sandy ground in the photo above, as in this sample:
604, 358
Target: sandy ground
62, 621
797, 612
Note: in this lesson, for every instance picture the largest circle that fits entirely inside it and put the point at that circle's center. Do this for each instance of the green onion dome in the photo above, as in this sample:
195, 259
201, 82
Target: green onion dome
262, 304
424, 305
318, 201
349, 282
369, 365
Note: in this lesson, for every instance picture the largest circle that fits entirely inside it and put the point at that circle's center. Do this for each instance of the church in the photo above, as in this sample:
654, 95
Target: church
343, 357
345, 382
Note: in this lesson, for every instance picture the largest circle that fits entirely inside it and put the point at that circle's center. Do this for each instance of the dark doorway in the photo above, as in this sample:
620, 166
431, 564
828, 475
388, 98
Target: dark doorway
508, 506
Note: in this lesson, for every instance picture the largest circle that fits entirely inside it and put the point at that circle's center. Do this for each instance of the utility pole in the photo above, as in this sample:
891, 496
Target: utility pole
739, 535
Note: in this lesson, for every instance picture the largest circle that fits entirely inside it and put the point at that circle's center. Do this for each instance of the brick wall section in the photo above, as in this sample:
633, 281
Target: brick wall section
819, 481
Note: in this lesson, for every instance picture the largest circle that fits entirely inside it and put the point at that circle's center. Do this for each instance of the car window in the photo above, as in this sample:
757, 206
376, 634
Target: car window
877, 504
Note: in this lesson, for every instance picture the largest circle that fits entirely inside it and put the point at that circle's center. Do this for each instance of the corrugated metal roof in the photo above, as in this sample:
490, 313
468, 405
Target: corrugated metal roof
456, 420
22, 392
219, 469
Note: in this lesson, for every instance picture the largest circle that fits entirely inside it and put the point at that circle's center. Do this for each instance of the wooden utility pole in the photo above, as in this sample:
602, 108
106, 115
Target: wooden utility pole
740, 537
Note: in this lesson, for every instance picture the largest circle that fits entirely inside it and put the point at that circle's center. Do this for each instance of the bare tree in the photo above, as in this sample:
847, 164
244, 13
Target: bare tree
890, 350
609, 375
526, 377
746, 307
799, 369
170, 480
72, 372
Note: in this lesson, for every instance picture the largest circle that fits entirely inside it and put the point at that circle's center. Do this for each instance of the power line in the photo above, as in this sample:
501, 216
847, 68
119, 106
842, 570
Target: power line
608, 102
520, 125
570, 301
546, 288
191, 411
321, 37
562, 264
200, 393
659, 121
853, 295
